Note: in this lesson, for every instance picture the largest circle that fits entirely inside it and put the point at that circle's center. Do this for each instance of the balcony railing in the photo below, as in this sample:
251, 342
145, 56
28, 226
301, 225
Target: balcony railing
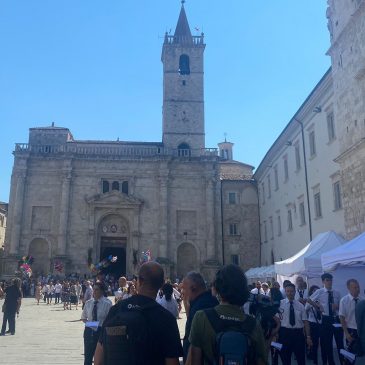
127, 151
196, 40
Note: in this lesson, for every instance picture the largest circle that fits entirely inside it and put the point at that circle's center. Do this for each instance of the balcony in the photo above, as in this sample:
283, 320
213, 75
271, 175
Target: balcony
126, 151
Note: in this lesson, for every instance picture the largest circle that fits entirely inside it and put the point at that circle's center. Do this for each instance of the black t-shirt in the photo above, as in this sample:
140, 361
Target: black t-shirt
13, 293
164, 332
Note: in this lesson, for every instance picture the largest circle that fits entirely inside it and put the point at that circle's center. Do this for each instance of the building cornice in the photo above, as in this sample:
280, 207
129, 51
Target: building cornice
350, 150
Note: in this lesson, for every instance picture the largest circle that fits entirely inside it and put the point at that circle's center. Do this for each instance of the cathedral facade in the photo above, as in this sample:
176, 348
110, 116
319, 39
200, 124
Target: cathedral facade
75, 202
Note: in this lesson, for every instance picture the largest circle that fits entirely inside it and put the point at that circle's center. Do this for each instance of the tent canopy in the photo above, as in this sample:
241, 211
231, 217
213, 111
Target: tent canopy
350, 254
262, 272
308, 260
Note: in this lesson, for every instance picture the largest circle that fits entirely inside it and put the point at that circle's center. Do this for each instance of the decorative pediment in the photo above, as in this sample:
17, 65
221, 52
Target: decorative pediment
114, 198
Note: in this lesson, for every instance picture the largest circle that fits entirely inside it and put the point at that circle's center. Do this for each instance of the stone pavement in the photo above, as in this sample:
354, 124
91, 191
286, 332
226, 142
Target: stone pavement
47, 335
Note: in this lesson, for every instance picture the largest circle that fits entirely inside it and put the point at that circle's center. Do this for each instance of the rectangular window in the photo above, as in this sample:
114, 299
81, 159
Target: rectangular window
337, 195
276, 177
268, 186
235, 259
290, 220
331, 127
263, 193
271, 228
297, 157
286, 169
312, 143
317, 205
232, 198
233, 231
279, 225
302, 213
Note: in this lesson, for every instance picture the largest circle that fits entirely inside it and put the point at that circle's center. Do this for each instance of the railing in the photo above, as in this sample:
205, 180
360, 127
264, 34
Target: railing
114, 151
196, 40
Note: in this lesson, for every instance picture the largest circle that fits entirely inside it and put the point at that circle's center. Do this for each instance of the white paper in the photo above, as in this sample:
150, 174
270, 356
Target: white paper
277, 345
92, 324
337, 325
349, 355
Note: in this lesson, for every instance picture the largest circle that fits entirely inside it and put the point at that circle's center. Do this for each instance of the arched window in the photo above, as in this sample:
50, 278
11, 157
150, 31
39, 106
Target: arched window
105, 186
184, 65
125, 187
183, 150
115, 185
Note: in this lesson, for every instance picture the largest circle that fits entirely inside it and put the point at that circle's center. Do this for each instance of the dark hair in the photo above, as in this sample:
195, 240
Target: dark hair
231, 284
197, 279
351, 281
290, 285
168, 290
101, 286
286, 282
276, 295
326, 276
312, 289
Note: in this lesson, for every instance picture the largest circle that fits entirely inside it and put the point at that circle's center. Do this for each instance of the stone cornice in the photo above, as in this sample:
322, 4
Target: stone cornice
113, 198
350, 151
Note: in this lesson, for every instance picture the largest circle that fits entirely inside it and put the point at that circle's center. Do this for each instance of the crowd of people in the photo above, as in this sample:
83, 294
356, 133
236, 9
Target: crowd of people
227, 322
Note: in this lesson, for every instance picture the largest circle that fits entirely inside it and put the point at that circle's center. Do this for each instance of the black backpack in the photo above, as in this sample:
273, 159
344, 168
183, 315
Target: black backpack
233, 345
126, 336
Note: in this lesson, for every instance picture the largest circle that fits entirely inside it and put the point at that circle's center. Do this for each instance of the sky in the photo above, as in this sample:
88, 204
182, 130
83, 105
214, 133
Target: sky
95, 67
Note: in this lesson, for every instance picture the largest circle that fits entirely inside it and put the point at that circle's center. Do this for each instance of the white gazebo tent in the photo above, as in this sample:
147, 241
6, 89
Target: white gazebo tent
346, 262
307, 262
260, 273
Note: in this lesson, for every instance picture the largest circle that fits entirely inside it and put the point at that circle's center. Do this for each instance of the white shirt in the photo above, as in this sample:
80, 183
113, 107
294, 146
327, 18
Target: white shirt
304, 292
347, 310
102, 309
88, 294
50, 289
322, 296
170, 305
58, 288
284, 314
310, 310
256, 291
122, 293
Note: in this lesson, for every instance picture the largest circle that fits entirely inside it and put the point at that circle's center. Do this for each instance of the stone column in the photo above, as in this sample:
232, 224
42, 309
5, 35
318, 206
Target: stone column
163, 219
210, 221
64, 209
17, 213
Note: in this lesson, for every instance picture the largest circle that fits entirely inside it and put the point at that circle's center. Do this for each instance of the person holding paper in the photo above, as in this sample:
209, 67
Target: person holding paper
93, 315
292, 324
347, 312
327, 300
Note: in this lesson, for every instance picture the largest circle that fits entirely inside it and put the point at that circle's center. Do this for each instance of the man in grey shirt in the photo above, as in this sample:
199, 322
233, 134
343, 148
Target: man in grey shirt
360, 321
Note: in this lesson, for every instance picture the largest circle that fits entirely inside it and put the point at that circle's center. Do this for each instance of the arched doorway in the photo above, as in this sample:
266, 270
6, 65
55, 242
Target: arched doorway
39, 249
187, 259
113, 237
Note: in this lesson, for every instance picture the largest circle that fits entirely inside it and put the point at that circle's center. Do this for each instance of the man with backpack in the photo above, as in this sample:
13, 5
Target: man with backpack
224, 334
137, 330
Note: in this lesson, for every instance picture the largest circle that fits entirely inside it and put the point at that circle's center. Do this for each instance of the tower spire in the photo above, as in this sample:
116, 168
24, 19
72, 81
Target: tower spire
182, 31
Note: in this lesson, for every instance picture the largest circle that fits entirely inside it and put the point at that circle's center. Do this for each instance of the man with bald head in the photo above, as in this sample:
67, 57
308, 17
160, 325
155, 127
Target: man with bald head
163, 345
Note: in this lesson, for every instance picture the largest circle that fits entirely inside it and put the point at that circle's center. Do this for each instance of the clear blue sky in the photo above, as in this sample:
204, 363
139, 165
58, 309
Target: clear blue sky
94, 67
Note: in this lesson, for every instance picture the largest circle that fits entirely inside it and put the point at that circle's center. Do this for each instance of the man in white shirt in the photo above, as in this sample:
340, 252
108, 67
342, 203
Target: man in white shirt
291, 324
122, 292
57, 292
258, 289
265, 289
301, 293
328, 300
347, 311
88, 294
95, 310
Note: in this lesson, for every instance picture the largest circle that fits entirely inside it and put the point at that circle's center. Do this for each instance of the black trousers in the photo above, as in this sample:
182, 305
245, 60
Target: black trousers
9, 316
355, 336
315, 334
293, 341
57, 297
90, 341
327, 332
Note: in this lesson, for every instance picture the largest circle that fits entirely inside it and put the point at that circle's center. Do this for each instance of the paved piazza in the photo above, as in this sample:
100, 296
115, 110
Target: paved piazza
47, 335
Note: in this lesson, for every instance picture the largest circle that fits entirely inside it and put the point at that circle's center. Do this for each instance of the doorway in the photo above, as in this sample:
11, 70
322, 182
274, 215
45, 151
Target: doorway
115, 247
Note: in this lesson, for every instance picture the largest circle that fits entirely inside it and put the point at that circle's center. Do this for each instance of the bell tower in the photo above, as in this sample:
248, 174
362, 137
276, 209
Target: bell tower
183, 89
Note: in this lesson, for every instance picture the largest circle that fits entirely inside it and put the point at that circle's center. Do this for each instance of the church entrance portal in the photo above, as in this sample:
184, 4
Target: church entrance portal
116, 247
